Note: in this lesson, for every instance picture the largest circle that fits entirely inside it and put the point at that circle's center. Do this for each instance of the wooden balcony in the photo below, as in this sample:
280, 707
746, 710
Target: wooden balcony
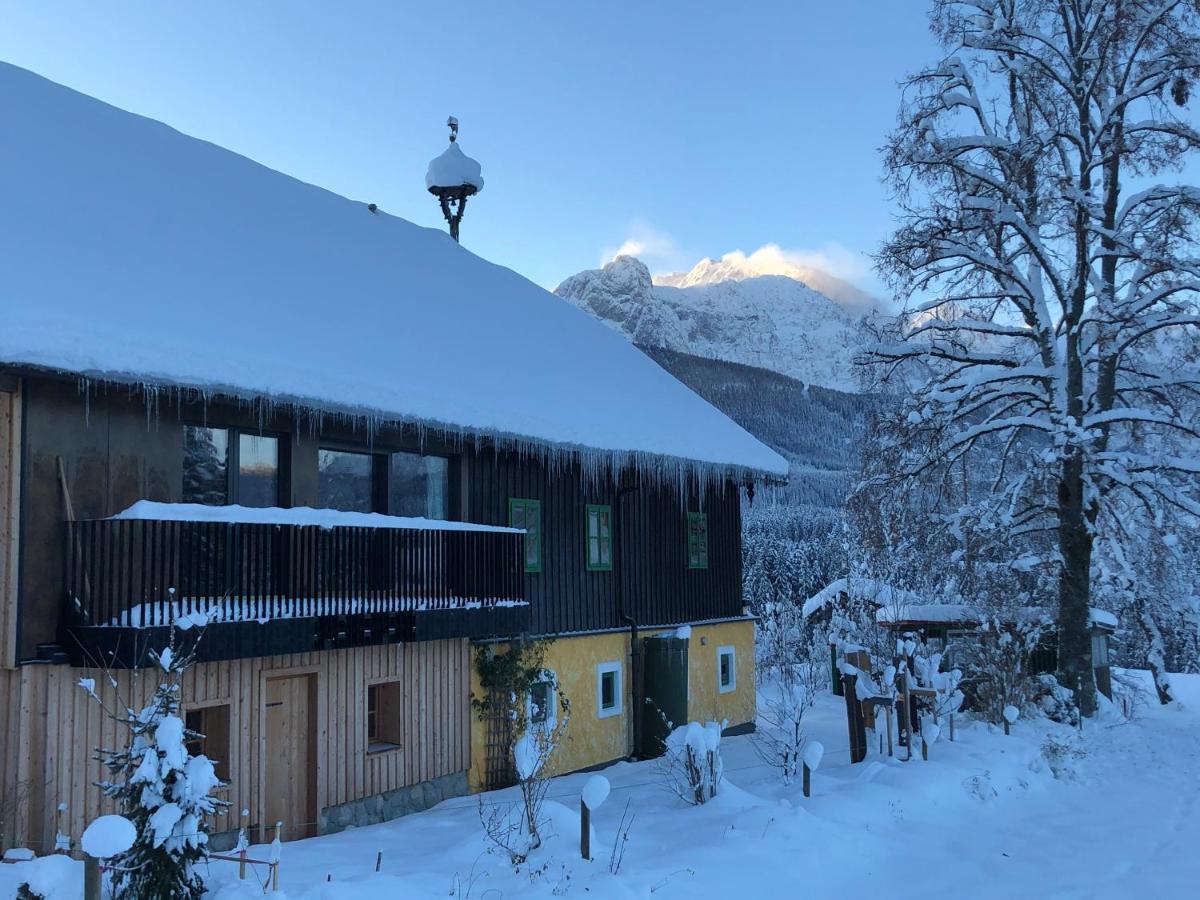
264, 589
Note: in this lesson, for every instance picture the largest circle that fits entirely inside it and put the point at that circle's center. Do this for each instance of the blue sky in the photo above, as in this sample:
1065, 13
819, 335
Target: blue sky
692, 129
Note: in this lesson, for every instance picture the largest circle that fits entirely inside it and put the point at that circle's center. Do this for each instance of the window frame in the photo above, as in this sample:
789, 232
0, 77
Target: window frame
233, 460
730, 651
381, 462
598, 565
210, 733
550, 720
382, 741
611, 667
528, 503
451, 469
697, 560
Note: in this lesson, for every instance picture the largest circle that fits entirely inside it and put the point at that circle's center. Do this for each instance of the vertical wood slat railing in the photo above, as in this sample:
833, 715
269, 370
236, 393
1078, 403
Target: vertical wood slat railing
147, 572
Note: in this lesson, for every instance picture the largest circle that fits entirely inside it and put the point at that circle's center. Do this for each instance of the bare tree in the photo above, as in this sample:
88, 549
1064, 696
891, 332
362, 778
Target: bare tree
1052, 309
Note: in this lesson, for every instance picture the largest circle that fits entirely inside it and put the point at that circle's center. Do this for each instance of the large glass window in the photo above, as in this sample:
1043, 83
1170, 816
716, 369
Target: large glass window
599, 537
212, 456
419, 486
527, 514
205, 465
258, 470
346, 480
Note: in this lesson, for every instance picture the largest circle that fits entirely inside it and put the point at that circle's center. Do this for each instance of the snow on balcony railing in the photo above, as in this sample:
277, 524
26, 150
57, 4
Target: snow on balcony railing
158, 564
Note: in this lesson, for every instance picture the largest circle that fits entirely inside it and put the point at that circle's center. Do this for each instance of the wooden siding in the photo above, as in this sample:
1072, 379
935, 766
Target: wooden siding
650, 572
49, 729
10, 506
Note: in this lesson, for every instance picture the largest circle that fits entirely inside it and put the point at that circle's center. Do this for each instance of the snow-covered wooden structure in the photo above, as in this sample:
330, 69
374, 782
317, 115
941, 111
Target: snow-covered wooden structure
413, 450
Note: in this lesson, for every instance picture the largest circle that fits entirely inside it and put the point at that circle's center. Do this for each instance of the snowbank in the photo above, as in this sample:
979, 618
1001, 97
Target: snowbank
135, 254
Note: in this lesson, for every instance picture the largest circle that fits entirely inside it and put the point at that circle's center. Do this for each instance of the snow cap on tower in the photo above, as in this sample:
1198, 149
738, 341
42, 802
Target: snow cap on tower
453, 168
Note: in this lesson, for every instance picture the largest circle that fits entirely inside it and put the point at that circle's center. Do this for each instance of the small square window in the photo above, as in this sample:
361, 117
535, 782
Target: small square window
384, 704
599, 538
527, 514
209, 727
697, 540
608, 689
726, 670
541, 701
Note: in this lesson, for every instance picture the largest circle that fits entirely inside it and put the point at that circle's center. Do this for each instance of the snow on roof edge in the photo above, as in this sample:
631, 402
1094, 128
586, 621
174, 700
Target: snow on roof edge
592, 459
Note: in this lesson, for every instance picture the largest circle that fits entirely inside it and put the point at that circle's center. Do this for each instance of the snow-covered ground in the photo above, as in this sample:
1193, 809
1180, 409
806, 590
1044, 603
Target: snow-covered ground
984, 817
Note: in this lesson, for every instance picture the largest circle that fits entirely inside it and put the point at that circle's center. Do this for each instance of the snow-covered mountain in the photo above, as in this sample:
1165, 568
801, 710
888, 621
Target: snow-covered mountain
725, 310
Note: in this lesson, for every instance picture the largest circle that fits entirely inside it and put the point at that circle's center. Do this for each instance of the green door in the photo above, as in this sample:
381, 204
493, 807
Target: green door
665, 666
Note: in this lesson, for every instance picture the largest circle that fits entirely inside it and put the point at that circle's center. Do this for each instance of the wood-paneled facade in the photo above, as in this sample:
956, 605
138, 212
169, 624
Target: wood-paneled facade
50, 729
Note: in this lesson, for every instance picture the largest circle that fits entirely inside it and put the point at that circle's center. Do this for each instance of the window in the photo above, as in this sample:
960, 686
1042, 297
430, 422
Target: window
346, 480
384, 703
1099, 650
258, 470
210, 736
697, 540
608, 689
223, 465
599, 538
205, 465
527, 514
420, 486
726, 670
542, 702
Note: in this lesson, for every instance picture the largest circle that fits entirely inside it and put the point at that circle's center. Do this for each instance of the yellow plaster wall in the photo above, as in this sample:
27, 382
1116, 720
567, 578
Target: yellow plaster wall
705, 701
591, 740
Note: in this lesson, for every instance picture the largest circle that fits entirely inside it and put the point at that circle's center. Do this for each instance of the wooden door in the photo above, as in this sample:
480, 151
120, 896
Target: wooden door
291, 756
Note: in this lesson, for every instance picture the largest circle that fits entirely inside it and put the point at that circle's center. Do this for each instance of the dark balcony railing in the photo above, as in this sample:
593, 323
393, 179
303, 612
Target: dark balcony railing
143, 573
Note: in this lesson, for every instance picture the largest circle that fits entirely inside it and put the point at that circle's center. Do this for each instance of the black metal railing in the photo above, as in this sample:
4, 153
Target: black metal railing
146, 573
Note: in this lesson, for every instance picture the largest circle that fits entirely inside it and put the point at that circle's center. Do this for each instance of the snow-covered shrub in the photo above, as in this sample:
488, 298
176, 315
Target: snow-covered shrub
1056, 702
799, 671
693, 761
1061, 754
162, 789
997, 661
539, 732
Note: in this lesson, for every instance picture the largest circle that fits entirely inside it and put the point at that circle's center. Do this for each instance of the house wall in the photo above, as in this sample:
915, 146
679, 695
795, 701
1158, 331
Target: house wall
650, 579
10, 520
594, 741
117, 446
49, 730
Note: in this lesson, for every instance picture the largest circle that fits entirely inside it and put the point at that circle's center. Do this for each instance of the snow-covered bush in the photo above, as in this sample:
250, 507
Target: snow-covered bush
798, 672
539, 733
163, 790
693, 761
997, 661
1056, 702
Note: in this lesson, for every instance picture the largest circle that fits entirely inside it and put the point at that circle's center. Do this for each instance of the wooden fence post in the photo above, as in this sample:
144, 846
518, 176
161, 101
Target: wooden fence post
807, 781
91, 878
585, 830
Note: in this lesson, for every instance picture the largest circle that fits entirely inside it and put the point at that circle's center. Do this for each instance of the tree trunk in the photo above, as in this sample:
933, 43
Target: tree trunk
1074, 588
1155, 656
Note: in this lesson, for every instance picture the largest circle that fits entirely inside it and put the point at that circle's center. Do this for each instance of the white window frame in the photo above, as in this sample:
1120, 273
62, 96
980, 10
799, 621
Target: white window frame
602, 669
732, 652
546, 676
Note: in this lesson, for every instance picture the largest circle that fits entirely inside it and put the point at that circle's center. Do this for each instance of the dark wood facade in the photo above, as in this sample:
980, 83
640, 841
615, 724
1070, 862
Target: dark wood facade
111, 446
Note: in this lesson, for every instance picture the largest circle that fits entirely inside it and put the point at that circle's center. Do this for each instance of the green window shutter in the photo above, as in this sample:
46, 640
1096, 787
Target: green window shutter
599, 538
697, 540
527, 514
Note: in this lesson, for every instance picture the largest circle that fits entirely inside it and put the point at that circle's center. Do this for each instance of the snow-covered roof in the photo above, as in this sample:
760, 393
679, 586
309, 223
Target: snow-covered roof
133, 253
296, 515
453, 168
859, 588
